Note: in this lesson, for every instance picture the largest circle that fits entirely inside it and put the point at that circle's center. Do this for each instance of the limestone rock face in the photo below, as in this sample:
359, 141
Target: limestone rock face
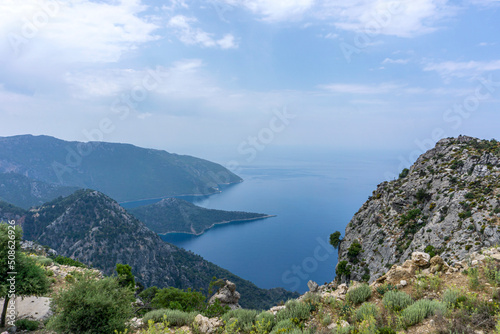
446, 205
227, 295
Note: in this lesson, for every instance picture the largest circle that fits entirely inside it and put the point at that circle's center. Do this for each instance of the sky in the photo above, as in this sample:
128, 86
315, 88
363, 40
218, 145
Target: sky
228, 78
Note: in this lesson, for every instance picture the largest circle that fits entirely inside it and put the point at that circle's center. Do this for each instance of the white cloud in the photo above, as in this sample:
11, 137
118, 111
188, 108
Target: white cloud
387, 17
395, 61
383, 88
275, 10
450, 69
187, 34
75, 30
184, 79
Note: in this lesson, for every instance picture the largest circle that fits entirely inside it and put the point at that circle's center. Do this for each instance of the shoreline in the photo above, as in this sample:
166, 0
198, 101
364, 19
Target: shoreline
181, 195
221, 223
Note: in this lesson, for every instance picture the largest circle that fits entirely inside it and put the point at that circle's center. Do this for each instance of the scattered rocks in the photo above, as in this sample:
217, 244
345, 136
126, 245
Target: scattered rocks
227, 295
206, 325
341, 323
275, 309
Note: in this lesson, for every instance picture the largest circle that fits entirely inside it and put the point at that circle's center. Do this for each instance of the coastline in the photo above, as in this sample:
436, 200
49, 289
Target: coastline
220, 223
180, 195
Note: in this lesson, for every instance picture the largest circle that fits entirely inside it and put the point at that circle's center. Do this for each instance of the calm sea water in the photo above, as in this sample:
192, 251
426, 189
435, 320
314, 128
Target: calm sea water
311, 197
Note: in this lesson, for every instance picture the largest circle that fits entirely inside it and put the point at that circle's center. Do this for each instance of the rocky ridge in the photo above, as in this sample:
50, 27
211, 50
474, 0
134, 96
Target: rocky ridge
447, 203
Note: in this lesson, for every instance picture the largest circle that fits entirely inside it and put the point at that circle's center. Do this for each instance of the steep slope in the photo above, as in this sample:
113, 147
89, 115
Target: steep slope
176, 215
24, 192
124, 172
447, 203
96, 230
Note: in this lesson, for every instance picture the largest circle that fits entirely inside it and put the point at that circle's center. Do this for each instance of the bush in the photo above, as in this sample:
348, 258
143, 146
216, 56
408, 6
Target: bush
381, 290
173, 298
386, 330
26, 324
264, 323
450, 297
68, 261
396, 300
366, 311
173, 317
420, 310
404, 173
44, 261
294, 309
92, 306
343, 269
359, 294
284, 326
245, 318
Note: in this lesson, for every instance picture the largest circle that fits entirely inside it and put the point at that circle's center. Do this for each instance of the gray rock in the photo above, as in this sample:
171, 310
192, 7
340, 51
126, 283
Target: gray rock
313, 286
227, 295
206, 325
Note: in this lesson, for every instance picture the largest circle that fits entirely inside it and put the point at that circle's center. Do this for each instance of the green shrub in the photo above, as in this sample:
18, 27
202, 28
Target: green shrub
396, 300
343, 269
359, 294
245, 318
404, 173
68, 261
450, 297
69, 278
386, 330
173, 317
264, 323
26, 324
473, 274
294, 309
354, 250
382, 289
173, 298
215, 310
44, 261
92, 306
366, 311
284, 326
420, 310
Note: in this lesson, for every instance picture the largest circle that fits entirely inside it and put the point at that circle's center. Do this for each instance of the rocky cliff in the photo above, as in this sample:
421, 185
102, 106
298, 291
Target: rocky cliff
447, 203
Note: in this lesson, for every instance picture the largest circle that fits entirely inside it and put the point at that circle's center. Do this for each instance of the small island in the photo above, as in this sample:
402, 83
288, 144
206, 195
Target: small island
174, 215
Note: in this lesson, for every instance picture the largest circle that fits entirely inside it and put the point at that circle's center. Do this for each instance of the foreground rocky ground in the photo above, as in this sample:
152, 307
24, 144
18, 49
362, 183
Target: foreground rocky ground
422, 295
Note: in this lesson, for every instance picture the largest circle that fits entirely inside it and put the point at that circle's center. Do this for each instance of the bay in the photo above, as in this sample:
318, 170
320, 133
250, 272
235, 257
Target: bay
312, 195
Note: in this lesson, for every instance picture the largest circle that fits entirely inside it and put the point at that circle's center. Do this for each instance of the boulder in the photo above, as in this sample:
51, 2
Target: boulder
206, 325
227, 295
420, 259
313, 286
438, 265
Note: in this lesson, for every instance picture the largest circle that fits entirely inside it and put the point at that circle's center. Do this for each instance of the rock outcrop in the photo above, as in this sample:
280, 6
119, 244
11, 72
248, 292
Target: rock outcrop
446, 204
227, 296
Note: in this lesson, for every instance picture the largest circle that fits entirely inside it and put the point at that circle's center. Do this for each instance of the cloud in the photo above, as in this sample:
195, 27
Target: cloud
75, 30
187, 34
450, 69
275, 11
387, 17
383, 88
184, 79
395, 61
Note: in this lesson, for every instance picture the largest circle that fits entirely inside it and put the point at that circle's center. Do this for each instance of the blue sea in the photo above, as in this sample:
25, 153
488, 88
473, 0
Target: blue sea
312, 195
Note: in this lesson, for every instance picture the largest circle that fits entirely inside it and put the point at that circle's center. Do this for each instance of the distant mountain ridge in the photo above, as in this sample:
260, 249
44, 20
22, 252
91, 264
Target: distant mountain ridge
94, 229
121, 171
176, 215
24, 192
